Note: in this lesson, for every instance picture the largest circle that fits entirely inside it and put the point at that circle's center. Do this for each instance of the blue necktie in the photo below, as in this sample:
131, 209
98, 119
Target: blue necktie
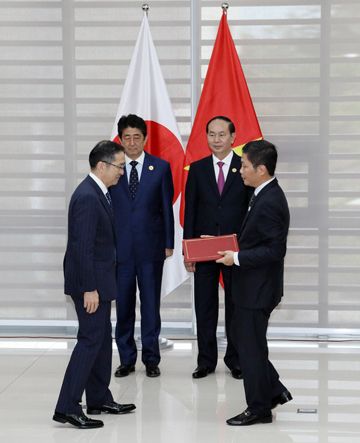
108, 198
134, 179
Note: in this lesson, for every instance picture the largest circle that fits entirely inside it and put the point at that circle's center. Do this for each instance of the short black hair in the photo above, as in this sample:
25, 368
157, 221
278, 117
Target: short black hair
104, 151
131, 121
225, 119
262, 152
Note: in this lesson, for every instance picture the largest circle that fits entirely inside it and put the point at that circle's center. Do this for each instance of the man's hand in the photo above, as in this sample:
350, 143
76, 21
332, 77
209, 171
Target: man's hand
227, 258
168, 252
189, 266
91, 301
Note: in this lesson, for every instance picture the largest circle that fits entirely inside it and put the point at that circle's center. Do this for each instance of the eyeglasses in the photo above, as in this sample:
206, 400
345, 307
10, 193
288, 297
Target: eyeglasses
121, 167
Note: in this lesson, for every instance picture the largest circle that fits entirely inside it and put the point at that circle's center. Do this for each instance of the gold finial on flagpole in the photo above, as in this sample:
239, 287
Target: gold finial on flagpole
225, 7
145, 7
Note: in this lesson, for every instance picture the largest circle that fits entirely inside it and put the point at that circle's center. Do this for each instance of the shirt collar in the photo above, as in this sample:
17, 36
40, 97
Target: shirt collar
140, 159
262, 186
100, 183
226, 160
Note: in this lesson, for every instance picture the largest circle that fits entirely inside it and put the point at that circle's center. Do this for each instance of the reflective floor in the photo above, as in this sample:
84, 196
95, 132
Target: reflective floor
323, 378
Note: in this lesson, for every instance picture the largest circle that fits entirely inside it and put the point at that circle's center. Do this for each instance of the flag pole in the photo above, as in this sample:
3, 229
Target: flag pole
225, 7
145, 7
164, 343
222, 341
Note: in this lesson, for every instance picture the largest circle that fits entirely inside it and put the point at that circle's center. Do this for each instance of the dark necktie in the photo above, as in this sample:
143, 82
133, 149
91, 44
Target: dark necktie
221, 178
134, 179
251, 202
108, 198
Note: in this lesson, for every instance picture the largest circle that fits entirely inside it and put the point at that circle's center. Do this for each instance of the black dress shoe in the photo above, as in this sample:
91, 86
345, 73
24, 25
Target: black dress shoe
201, 372
111, 408
152, 371
247, 418
78, 420
281, 399
124, 370
236, 373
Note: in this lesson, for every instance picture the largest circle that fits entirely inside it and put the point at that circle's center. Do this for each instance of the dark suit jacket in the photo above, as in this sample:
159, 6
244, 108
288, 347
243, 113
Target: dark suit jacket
89, 262
258, 281
206, 212
145, 226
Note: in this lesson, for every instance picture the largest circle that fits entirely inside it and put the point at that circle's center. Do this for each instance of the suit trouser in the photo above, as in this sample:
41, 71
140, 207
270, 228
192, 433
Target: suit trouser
148, 276
206, 281
89, 368
261, 380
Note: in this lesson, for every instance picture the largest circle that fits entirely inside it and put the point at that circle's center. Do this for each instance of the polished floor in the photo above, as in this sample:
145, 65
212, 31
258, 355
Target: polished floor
324, 379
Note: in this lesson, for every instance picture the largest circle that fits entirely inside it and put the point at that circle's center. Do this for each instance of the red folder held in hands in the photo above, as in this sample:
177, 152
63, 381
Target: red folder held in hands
206, 249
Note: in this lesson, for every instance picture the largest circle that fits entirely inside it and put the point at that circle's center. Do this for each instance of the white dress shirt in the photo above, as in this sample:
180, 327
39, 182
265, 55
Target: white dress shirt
99, 183
226, 166
139, 166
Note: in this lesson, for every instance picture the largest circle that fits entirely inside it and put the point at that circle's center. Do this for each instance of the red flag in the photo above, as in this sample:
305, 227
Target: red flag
225, 92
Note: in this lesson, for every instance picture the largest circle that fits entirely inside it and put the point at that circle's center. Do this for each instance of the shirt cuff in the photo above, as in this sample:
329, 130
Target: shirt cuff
236, 259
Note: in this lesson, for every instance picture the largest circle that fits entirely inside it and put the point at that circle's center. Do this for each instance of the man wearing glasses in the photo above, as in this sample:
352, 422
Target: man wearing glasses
90, 280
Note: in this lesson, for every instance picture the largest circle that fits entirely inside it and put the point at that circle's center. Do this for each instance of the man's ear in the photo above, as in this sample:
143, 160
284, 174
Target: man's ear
263, 170
101, 166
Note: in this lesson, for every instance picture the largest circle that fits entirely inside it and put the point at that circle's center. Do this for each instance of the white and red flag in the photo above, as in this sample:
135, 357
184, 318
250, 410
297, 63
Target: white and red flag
145, 95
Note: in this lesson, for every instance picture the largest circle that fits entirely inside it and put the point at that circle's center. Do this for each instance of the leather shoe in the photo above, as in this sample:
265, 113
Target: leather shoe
78, 420
236, 373
201, 372
152, 371
111, 408
281, 399
124, 370
248, 418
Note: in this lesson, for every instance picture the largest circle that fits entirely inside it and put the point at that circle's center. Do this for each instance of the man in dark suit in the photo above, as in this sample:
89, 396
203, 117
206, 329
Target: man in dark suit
216, 201
144, 224
258, 282
90, 280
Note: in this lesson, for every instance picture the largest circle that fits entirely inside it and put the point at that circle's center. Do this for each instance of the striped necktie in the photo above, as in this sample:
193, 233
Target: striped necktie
108, 198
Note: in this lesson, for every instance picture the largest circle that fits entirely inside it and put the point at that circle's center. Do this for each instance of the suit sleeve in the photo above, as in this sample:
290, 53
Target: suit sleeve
84, 225
190, 204
167, 190
271, 232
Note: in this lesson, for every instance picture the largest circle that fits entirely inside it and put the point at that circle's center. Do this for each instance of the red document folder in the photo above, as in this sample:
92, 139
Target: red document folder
206, 249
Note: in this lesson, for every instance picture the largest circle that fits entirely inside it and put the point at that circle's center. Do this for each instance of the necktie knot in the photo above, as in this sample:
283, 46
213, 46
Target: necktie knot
133, 163
221, 164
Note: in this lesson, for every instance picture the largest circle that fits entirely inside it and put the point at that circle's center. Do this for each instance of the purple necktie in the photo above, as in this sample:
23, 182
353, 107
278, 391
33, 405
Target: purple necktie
221, 178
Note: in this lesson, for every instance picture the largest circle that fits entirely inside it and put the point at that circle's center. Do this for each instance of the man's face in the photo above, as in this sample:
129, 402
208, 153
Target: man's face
114, 170
219, 138
250, 175
133, 141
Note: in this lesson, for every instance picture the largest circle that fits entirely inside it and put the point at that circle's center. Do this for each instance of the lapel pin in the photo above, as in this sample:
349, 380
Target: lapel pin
234, 170
151, 168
